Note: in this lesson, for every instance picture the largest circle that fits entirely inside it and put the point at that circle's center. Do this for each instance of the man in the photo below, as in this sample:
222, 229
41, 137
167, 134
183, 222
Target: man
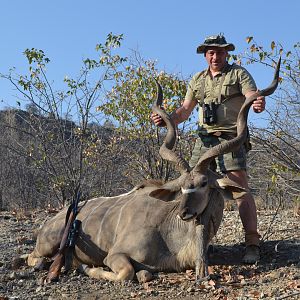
220, 92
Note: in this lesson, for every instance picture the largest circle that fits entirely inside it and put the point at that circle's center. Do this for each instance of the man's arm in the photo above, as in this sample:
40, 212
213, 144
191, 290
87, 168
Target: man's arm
259, 104
182, 113
179, 115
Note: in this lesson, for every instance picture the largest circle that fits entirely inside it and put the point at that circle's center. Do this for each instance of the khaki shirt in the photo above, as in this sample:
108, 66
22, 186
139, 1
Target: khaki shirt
233, 81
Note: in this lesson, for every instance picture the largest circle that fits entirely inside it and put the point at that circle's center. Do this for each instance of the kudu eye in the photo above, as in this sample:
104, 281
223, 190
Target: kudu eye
203, 183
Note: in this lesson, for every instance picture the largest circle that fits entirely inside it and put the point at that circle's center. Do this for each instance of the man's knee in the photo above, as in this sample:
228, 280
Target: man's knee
239, 176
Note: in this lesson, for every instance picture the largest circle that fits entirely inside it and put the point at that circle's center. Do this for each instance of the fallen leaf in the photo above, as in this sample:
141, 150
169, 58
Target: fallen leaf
211, 283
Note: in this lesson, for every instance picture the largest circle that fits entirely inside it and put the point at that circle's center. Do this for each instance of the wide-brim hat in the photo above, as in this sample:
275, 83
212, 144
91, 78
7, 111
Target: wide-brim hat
215, 41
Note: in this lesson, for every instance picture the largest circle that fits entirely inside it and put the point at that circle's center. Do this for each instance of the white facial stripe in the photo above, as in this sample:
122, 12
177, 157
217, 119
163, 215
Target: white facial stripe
188, 191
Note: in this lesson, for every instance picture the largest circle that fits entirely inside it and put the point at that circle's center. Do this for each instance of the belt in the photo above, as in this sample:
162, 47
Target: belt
221, 134
216, 133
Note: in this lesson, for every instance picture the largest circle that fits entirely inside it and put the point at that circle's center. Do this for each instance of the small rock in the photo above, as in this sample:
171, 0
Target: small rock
41, 280
38, 289
275, 275
263, 280
66, 296
155, 293
262, 295
12, 275
29, 242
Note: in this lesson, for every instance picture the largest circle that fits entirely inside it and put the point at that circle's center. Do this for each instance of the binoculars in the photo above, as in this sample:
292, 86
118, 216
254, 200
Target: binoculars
210, 113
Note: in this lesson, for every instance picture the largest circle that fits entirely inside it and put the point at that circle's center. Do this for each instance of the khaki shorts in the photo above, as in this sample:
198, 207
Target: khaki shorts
231, 161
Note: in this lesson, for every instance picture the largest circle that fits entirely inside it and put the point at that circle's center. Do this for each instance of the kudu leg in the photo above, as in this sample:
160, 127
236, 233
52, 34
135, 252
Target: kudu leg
120, 265
201, 254
37, 261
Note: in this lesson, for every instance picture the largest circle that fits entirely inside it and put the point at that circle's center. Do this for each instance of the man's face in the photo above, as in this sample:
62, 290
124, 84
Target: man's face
216, 58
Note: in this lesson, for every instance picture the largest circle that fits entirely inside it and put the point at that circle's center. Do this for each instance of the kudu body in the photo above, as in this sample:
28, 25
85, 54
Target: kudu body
143, 229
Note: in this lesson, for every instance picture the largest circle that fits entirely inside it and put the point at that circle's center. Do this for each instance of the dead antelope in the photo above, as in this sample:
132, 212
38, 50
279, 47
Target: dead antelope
138, 230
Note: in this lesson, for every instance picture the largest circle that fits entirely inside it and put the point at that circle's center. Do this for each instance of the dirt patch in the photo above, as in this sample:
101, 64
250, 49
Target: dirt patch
276, 276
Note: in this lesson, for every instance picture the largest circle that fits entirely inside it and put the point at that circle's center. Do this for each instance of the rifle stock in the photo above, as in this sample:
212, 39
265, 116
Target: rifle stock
55, 268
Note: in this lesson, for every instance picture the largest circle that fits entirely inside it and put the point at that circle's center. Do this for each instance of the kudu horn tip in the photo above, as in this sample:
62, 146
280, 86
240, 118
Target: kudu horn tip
159, 93
277, 68
271, 89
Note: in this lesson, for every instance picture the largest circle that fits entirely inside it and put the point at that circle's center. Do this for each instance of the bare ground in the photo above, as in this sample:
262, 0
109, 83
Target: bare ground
276, 276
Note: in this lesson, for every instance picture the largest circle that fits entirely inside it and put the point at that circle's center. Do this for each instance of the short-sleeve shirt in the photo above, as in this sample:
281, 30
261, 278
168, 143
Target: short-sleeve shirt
228, 87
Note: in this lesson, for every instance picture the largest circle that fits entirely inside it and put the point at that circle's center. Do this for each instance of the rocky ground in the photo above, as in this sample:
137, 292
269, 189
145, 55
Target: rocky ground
276, 276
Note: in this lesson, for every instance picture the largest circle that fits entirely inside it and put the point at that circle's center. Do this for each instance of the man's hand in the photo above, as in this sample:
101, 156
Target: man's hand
179, 115
157, 120
259, 104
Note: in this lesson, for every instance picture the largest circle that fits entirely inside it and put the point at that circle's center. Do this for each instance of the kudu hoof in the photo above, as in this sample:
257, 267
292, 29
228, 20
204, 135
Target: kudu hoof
144, 276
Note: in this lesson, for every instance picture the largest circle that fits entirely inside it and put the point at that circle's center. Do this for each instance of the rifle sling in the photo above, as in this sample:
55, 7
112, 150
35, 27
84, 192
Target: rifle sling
60, 258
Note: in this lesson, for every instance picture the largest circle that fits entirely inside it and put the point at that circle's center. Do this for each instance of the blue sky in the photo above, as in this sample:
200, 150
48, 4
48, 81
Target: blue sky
169, 31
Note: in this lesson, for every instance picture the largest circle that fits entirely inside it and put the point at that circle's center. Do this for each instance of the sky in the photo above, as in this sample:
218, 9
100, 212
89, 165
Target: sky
167, 31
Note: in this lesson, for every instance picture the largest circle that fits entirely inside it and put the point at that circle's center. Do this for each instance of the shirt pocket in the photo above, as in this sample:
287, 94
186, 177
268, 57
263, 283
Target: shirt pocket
230, 87
198, 92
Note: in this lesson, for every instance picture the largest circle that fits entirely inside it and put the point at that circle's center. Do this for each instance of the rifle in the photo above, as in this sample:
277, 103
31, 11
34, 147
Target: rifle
67, 240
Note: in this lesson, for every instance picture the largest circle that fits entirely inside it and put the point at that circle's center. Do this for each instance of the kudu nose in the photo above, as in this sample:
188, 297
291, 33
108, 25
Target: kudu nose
185, 215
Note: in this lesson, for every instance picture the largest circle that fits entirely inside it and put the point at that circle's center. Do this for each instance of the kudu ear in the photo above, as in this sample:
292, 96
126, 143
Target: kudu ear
169, 190
230, 189
163, 194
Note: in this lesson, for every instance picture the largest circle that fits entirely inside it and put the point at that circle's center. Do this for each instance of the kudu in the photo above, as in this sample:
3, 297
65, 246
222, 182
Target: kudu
153, 228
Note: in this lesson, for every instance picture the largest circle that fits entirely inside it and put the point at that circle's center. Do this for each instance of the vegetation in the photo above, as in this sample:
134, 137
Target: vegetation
95, 135
275, 164
95, 132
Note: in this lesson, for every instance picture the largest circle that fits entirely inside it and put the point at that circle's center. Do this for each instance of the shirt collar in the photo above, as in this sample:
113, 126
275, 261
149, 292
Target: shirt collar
224, 70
